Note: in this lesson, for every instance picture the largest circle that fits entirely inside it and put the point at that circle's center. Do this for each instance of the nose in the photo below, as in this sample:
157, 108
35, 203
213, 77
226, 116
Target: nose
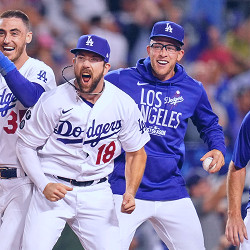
164, 51
6, 39
86, 62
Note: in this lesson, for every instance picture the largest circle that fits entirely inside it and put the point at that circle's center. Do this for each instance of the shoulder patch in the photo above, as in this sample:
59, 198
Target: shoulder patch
42, 76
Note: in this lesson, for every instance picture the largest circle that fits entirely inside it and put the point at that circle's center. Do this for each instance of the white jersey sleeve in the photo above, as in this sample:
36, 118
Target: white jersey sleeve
41, 123
27, 155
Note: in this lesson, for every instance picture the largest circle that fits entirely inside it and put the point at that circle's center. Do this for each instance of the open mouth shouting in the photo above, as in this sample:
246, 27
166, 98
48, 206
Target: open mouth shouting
86, 77
85, 82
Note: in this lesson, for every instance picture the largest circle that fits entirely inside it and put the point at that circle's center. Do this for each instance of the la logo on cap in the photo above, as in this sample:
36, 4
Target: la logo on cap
89, 41
169, 28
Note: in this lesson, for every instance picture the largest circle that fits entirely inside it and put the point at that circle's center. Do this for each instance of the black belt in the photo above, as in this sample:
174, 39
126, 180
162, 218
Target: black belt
81, 183
7, 173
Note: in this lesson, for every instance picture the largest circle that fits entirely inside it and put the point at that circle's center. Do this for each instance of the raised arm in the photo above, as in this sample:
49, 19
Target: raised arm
25, 91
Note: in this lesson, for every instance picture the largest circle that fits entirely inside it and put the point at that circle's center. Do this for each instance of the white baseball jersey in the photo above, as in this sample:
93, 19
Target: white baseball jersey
12, 111
80, 139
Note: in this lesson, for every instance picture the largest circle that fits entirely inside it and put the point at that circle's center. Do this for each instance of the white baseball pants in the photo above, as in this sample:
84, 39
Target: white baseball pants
246, 243
89, 211
15, 195
176, 222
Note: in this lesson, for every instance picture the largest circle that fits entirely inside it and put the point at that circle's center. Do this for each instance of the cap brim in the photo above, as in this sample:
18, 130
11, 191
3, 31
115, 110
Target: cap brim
74, 51
163, 35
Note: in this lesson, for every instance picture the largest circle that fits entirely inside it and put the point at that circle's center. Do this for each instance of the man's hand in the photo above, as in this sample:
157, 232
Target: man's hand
236, 230
128, 203
218, 159
56, 191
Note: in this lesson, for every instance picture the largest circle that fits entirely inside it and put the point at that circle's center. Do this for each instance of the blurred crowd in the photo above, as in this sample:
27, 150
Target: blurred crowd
217, 53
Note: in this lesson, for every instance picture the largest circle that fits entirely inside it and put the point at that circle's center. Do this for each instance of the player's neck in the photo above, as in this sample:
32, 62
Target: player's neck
92, 97
21, 61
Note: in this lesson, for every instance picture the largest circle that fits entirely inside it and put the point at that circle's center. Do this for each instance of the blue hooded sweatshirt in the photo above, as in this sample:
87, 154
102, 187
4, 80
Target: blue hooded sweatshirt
166, 107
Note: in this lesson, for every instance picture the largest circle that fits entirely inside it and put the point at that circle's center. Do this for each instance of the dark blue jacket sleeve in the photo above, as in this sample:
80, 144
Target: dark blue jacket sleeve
207, 124
241, 153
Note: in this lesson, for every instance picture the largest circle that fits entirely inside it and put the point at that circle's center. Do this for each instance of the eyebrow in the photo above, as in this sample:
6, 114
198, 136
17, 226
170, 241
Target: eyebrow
15, 29
93, 54
170, 42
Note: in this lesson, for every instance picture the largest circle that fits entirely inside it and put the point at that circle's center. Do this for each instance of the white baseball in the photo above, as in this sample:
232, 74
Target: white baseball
207, 162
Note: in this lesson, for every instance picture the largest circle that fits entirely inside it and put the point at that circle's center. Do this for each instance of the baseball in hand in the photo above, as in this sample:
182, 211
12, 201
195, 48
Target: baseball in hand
207, 162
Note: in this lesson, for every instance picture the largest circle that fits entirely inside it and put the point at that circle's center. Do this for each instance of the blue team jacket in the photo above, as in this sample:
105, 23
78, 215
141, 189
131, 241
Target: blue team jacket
166, 107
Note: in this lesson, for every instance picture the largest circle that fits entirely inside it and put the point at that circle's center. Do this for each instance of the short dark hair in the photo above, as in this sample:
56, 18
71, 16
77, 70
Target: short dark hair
16, 14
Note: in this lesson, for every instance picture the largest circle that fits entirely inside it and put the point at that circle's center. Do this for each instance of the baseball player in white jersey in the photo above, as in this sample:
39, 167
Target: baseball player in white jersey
22, 81
67, 146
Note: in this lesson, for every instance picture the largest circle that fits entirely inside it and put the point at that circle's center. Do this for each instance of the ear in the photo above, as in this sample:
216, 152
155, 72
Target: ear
107, 67
180, 55
148, 50
29, 37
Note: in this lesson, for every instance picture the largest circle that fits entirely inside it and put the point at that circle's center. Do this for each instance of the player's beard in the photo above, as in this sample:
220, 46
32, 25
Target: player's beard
90, 89
17, 53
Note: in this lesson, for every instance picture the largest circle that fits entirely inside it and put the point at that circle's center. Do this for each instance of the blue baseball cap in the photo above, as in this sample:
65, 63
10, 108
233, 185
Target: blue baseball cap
168, 29
94, 44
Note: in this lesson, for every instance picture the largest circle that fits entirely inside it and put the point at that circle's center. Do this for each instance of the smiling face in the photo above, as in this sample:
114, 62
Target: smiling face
162, 61
14, 35
89, 69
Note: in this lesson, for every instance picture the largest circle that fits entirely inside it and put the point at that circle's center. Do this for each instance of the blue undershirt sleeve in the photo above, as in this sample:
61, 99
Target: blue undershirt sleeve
25, 91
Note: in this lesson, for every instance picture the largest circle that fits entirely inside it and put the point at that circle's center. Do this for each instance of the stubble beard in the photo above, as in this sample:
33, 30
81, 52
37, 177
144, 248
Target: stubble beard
93, 86
18, 54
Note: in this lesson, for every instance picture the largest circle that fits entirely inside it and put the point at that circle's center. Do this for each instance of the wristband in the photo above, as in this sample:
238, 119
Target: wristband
5, 64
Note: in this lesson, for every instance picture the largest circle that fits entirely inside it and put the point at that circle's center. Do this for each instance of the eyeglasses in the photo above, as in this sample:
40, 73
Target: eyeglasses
91, 59
169, 48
